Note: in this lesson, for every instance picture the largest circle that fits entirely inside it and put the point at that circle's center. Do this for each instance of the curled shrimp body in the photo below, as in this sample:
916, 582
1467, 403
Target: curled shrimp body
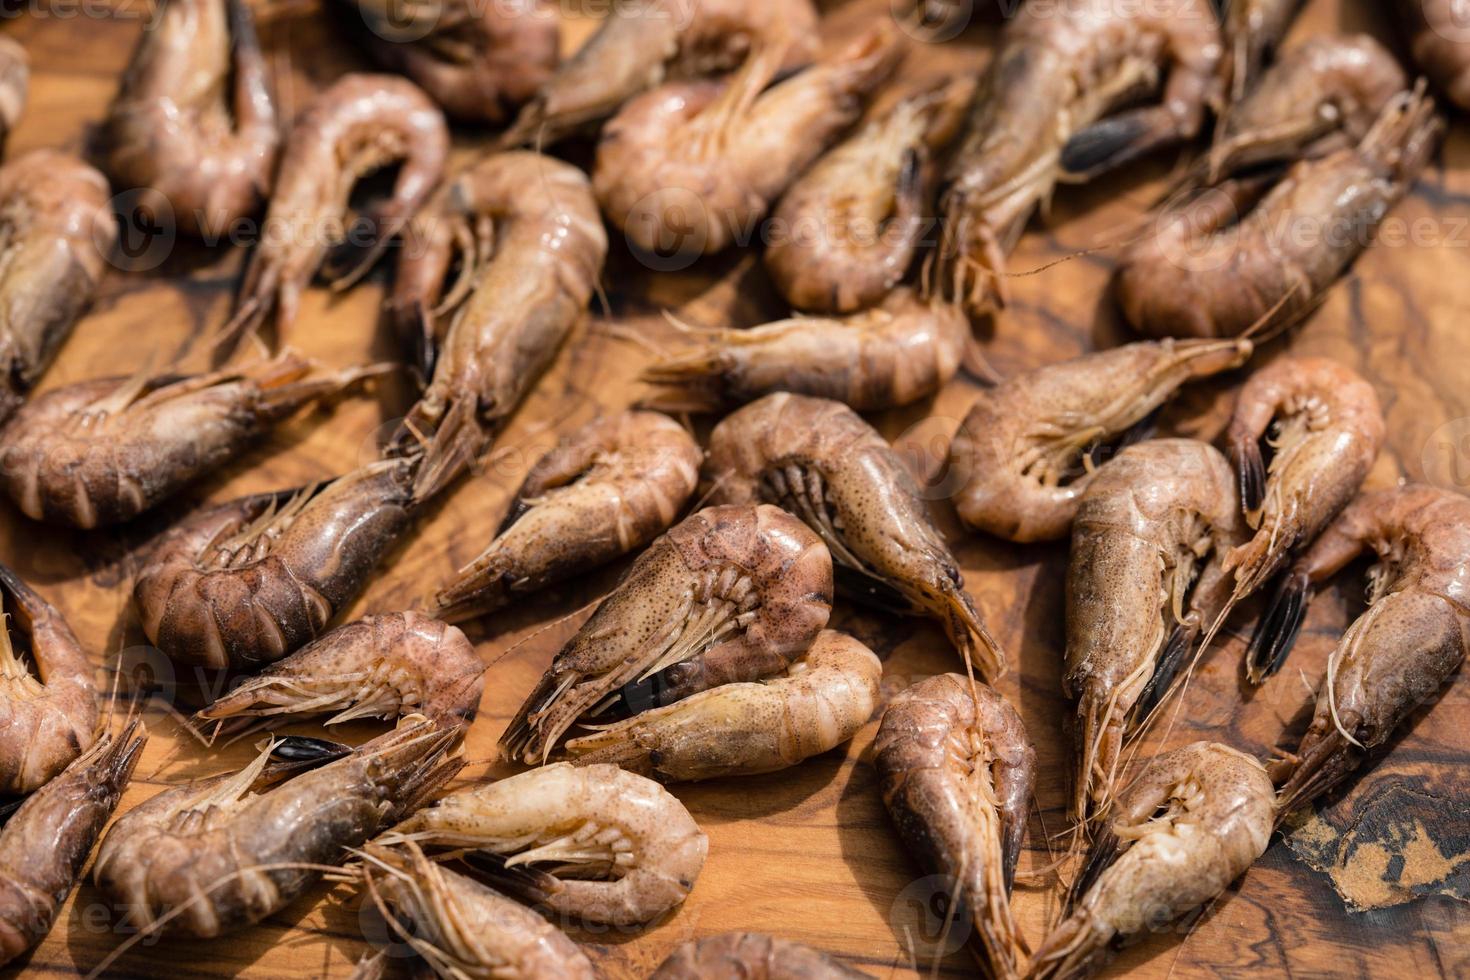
1253, 29
1145, 578
823, 698
56, 230
729, 594
638, 44
896, 353
1025, 446
1187, 827
750, 956
1436, 30
15, 80
820, 461
605, 491
691, 167
45, 843
103, 451
194, 122
592, 842
219, 854
956, 770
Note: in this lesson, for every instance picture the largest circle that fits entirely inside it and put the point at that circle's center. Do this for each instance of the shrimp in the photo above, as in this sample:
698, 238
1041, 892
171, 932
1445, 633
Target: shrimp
819, 460
1041, 116
1253, 29
639, 43
1191, 823
103, 451
56, 232
461, 928
729, 594
1437, 41
382, 666
194, 122
215, 855
591, 842
361, 124
15, 80
691, 167
1205, 271
1402, 650
750, 956
1026, 446
46, 841
956, 770
846, 230
1145, 577
243, 584
823, 698
46, 722
605, 491
905, 349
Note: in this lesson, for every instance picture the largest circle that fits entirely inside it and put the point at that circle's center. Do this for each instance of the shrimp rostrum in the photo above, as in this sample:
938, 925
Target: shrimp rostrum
1436, 30
751, 956
15, 78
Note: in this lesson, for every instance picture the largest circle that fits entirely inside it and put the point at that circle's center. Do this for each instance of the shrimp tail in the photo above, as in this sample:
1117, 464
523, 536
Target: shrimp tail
1171, 658
1114, 141
521, 882
1252, 469
1278, 628
694, 382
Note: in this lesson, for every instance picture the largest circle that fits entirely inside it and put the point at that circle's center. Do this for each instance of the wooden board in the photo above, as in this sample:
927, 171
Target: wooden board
806, 853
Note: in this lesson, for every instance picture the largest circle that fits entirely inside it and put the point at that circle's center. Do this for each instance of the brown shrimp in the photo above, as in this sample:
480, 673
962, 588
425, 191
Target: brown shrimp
56, 232
15, 80
896, 353
1440, 45
1025, 448
820, 461
1404, 648
1243, 254
729, 594
638, 44
1146, 576
216, 855
691, 167
1041, 115
751, 956
606, 490
845, 232
822, 700
103, 451
1252, 31
1189, 825
194, 123
45, 843
956, 770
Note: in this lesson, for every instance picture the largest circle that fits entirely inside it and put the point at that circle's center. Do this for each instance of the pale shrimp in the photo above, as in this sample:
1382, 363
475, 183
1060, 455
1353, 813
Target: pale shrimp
1026, 447
1403, 649
15, 81
103, 451
1041, 115
751, 956
1253, 29
605, 491
218, 854
382, 666
896, 353
45, 843
956, 770
640, 43
729, 594
56, 233
820, 461
845, 232
1244, 254
691, 167
1189, 825
1146, 576
1438, 42
823, 698
593, 843
194, 123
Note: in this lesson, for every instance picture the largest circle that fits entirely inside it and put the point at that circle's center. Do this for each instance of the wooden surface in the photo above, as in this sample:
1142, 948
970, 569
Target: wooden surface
805, 853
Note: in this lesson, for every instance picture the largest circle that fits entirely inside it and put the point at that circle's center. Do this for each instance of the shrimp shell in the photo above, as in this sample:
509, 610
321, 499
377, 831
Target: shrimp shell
1436, 30
751, 956
1253, 29
15, 78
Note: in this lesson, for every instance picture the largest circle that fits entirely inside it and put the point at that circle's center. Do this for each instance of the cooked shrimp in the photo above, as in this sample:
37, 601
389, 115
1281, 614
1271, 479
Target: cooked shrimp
1026, 446
194, 122
750, 956
728, 594
1192, 823
692, 167
823, 698
606, 490
639, 43
1438, 42
591, 842
1253, 29
103, 451
219, 854
819, 460
956, 771
15, 79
